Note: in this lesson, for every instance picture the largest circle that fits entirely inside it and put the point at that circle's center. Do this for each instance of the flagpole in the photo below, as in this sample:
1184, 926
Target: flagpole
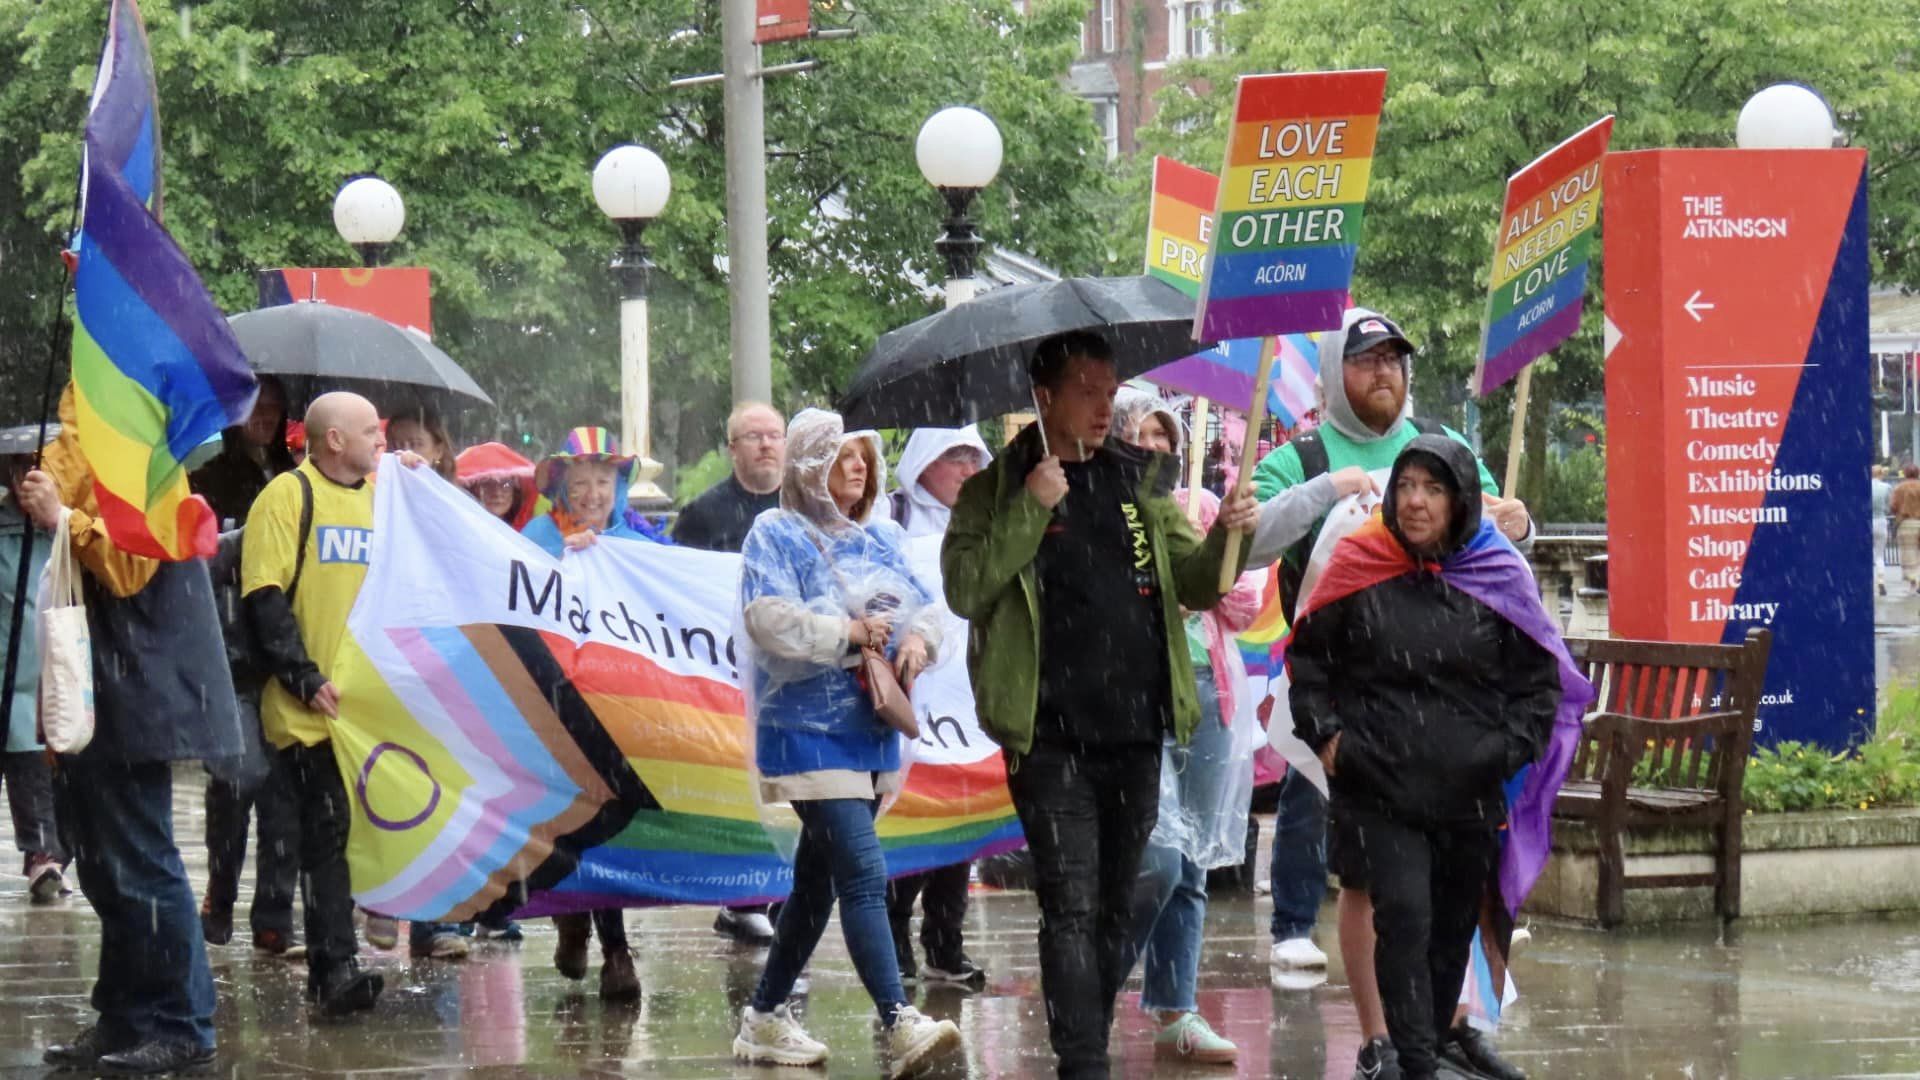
17, 617
1249, 444
1522, 390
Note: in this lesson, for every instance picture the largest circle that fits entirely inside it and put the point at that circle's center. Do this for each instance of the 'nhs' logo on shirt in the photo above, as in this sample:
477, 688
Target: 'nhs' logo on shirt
340, 544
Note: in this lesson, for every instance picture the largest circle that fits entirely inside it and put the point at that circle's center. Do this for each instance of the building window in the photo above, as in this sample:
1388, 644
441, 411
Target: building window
1106, 118
1199, 26
1109, 26
1176, 29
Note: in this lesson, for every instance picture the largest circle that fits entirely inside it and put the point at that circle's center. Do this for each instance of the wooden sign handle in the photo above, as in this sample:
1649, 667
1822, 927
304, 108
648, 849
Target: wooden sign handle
1516, 439
1256, 416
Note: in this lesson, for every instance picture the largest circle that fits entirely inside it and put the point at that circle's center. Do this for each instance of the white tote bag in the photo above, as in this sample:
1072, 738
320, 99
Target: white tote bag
66, 651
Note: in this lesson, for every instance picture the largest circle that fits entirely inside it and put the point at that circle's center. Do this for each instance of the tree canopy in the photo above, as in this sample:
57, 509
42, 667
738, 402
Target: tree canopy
488, 116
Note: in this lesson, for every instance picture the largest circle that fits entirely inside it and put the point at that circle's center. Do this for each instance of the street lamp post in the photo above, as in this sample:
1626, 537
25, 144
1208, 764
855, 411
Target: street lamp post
368, 213
959, 153
631, 186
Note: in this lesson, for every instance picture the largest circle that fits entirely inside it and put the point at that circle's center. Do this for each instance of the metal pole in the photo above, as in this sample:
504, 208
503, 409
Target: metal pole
630, 266
752, 327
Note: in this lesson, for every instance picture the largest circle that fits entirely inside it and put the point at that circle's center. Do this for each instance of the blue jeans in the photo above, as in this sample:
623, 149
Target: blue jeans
1299, 858
1170, 897
154, 982
839, 855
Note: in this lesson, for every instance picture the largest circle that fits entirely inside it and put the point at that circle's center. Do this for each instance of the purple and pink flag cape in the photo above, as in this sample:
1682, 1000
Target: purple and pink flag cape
1488, 569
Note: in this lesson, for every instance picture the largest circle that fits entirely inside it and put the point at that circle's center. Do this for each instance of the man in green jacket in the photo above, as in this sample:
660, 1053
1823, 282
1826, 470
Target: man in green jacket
1072, 562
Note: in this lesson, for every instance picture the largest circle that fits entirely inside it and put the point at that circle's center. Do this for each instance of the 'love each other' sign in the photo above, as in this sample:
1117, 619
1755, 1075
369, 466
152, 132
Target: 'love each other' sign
1287, 221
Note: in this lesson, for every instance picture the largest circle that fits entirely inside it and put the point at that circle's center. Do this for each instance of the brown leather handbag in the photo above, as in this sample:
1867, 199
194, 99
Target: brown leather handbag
891, 702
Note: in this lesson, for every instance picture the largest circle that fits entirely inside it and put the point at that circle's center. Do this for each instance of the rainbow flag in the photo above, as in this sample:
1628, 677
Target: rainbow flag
1263, 644
156, 372
578, 725
1287, 221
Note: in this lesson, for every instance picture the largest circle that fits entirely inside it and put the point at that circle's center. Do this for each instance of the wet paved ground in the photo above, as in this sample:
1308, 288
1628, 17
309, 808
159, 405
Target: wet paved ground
1826, 1000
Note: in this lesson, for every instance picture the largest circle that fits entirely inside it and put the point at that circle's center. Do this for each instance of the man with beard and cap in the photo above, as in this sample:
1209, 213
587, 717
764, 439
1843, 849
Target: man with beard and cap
935, 463
1425, 673
1365, 373
718, 520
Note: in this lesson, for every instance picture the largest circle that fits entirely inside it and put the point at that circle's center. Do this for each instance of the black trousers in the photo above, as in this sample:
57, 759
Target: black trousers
276, 873
1426, 886
942, 893
1087, 813
29, 781
312, 778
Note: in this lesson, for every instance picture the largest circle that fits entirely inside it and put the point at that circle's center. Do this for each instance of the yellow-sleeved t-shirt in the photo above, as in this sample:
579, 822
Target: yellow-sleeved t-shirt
336, 563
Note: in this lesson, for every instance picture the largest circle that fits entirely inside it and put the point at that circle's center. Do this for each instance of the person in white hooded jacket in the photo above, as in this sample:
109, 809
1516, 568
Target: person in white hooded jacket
934, 464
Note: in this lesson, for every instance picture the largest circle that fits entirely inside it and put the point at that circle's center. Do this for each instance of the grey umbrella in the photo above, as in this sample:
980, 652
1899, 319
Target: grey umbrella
313, 348
970, 362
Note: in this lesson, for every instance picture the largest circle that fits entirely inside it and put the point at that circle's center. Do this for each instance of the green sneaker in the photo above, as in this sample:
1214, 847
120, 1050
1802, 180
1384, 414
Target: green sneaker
1190, 1039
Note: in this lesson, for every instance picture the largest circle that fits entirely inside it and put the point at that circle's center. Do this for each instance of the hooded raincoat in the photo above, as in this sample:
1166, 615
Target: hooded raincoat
806, 570
1438, 698
914, 507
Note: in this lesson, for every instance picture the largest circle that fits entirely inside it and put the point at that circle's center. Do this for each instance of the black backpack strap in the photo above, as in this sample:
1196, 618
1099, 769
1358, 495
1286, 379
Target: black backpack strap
306, 526
902, 507
1313, 455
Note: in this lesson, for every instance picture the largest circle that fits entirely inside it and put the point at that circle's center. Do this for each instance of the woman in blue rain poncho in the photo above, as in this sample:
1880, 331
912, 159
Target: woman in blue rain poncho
818, 582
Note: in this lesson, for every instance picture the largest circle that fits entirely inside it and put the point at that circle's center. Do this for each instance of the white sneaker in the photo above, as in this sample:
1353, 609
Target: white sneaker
915, 1040
1298, 952
776, 1038
1521, 936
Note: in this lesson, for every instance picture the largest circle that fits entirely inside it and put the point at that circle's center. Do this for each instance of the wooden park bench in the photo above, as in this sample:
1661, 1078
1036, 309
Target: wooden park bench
1666, 743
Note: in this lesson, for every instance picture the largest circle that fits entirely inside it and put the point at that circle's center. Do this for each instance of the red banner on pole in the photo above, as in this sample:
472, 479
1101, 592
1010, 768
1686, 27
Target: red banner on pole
780, 20
402, 295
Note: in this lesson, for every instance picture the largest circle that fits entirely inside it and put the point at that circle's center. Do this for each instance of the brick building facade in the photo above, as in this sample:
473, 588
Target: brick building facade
1125, 46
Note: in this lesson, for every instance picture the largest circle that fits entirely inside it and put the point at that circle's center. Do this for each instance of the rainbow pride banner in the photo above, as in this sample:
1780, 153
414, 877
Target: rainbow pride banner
1539, 280
1288, 215
156, 372
578, 724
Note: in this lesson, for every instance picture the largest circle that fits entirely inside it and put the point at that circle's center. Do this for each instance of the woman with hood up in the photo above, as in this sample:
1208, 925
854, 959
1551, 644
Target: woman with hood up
1205, 786
587, 482
935, 462
819, 582
1427, 675
501, 480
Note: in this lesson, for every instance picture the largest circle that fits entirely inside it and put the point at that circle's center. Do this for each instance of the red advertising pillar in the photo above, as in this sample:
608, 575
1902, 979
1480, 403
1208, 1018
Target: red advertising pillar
1739, 424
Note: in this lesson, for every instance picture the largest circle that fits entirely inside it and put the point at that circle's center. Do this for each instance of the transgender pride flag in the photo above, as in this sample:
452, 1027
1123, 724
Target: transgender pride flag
156, 372
1225, 374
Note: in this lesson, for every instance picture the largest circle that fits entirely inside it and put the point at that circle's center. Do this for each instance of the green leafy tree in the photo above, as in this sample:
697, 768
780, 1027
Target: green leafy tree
488, 115
1476, 90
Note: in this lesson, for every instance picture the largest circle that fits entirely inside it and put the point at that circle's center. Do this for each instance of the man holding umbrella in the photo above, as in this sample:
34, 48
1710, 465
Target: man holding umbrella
1071, 562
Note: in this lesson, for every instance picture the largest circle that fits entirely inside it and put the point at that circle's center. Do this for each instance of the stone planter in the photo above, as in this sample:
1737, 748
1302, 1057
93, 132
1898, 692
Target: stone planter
1827, 862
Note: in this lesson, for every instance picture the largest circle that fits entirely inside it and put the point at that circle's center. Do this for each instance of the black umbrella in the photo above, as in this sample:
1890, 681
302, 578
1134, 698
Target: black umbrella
970, 361
314, 347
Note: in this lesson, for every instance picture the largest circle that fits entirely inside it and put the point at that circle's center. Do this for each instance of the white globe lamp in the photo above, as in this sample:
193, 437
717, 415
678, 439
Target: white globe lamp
631, 183
958, 147
1785, 116
368, 214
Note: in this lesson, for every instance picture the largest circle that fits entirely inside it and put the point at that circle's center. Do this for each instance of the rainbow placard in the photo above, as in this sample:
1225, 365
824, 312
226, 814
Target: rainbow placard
1540, 255
1289, 210
1180, 223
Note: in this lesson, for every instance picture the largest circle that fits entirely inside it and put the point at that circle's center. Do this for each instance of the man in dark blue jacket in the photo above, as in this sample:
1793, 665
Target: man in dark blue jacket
161, 694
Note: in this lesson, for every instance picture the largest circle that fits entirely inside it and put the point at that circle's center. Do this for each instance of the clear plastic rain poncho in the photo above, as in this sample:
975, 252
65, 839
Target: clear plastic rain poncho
1204, 816
806, 569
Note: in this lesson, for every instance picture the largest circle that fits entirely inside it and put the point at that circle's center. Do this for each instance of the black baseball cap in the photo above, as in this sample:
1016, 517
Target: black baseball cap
1373, 330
